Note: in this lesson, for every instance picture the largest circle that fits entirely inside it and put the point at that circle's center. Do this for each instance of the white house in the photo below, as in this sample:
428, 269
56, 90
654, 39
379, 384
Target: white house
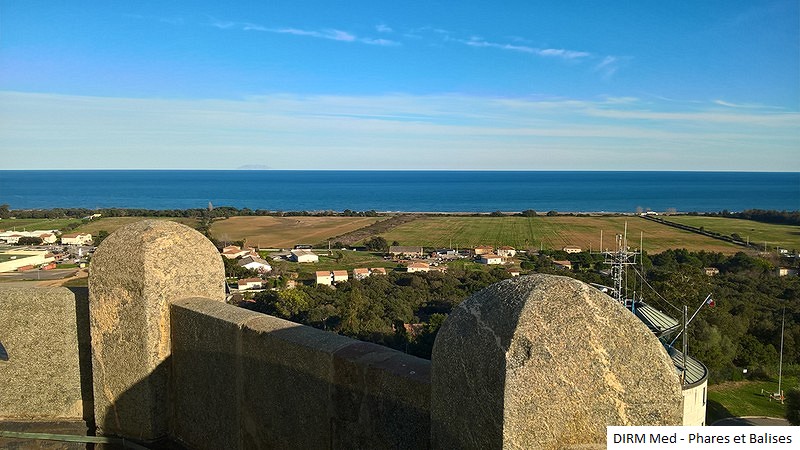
418, 267
490, 258
362, 272
507, 252
572, 249
324, 277
76, 239
255, 263
330, 277
304, 256
250, 283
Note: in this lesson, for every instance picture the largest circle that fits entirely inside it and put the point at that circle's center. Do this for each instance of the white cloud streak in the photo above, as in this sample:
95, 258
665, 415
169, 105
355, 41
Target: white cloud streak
398, 131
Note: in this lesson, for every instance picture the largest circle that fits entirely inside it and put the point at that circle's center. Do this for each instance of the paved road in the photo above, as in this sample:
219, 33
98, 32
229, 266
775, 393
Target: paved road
752, 421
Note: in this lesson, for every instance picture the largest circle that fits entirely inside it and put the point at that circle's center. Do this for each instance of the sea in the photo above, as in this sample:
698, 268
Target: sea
412, 191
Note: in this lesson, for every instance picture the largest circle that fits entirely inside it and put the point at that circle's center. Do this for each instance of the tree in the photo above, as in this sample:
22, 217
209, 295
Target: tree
552, 213
377, 244
793, 406
5, 213
528, 213
30, 240
100, 237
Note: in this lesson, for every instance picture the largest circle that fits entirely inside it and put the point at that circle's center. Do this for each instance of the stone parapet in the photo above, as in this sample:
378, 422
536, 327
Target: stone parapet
135, 274
546, 362
247, 380
40, 372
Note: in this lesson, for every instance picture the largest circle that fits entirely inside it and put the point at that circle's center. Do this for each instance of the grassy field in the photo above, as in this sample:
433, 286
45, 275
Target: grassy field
110, 224
35, 224
784, 236
744, 398
549, 232
285, 232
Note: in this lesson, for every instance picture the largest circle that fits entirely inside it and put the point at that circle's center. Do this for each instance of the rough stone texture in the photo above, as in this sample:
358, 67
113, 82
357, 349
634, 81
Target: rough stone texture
205, 372
248, 380
546, 362
135, 274
41, 378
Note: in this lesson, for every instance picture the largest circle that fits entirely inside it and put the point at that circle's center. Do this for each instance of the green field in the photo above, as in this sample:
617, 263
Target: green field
549, 232
744, 398
783, 236
35, 224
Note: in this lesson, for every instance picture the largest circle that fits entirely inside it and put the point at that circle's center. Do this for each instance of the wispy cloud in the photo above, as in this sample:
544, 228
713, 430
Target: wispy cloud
546, 52
300, 132
332, 34
383, 28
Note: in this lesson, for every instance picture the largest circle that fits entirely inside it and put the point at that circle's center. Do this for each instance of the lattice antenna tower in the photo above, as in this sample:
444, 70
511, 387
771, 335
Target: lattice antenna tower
619, 259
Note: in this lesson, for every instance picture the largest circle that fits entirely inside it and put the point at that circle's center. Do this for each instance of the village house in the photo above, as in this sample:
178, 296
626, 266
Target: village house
563, 264
255, 263
76, 239
513, 272
234, 251
405, 251
418, 267
571, 249
330, 277
490, 259
304, 256
711, 271
363, 272
250, 283
507, 252
786, 271
482, 250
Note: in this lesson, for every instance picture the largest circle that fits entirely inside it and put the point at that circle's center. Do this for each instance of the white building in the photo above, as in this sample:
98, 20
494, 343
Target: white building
490, 258
572, 249
255, 263
250, 283
76, 239
14, 259
304, 256
330, 277
507, 252
418, 267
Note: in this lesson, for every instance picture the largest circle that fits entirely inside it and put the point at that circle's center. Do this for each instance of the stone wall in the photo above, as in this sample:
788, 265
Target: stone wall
45, 368
248, 380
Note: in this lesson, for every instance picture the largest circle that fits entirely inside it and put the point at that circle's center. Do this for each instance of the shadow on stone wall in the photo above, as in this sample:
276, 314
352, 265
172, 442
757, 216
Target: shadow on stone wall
254, 381
84, 353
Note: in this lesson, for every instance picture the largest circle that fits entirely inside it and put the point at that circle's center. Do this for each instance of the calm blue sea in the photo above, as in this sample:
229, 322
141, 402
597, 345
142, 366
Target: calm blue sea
446, 191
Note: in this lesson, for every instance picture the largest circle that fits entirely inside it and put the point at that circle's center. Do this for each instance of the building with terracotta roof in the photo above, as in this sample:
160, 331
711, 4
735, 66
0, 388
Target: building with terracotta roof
490, 259
250, 283
418, 267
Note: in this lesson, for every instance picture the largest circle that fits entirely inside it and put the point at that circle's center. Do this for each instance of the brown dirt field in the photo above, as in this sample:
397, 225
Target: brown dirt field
285, 232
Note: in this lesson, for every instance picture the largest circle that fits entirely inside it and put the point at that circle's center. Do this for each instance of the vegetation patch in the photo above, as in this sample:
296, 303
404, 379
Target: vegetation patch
759, 233
745, 398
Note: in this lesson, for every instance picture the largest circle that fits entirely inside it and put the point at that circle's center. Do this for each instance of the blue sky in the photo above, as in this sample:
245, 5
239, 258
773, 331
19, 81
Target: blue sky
515, 85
